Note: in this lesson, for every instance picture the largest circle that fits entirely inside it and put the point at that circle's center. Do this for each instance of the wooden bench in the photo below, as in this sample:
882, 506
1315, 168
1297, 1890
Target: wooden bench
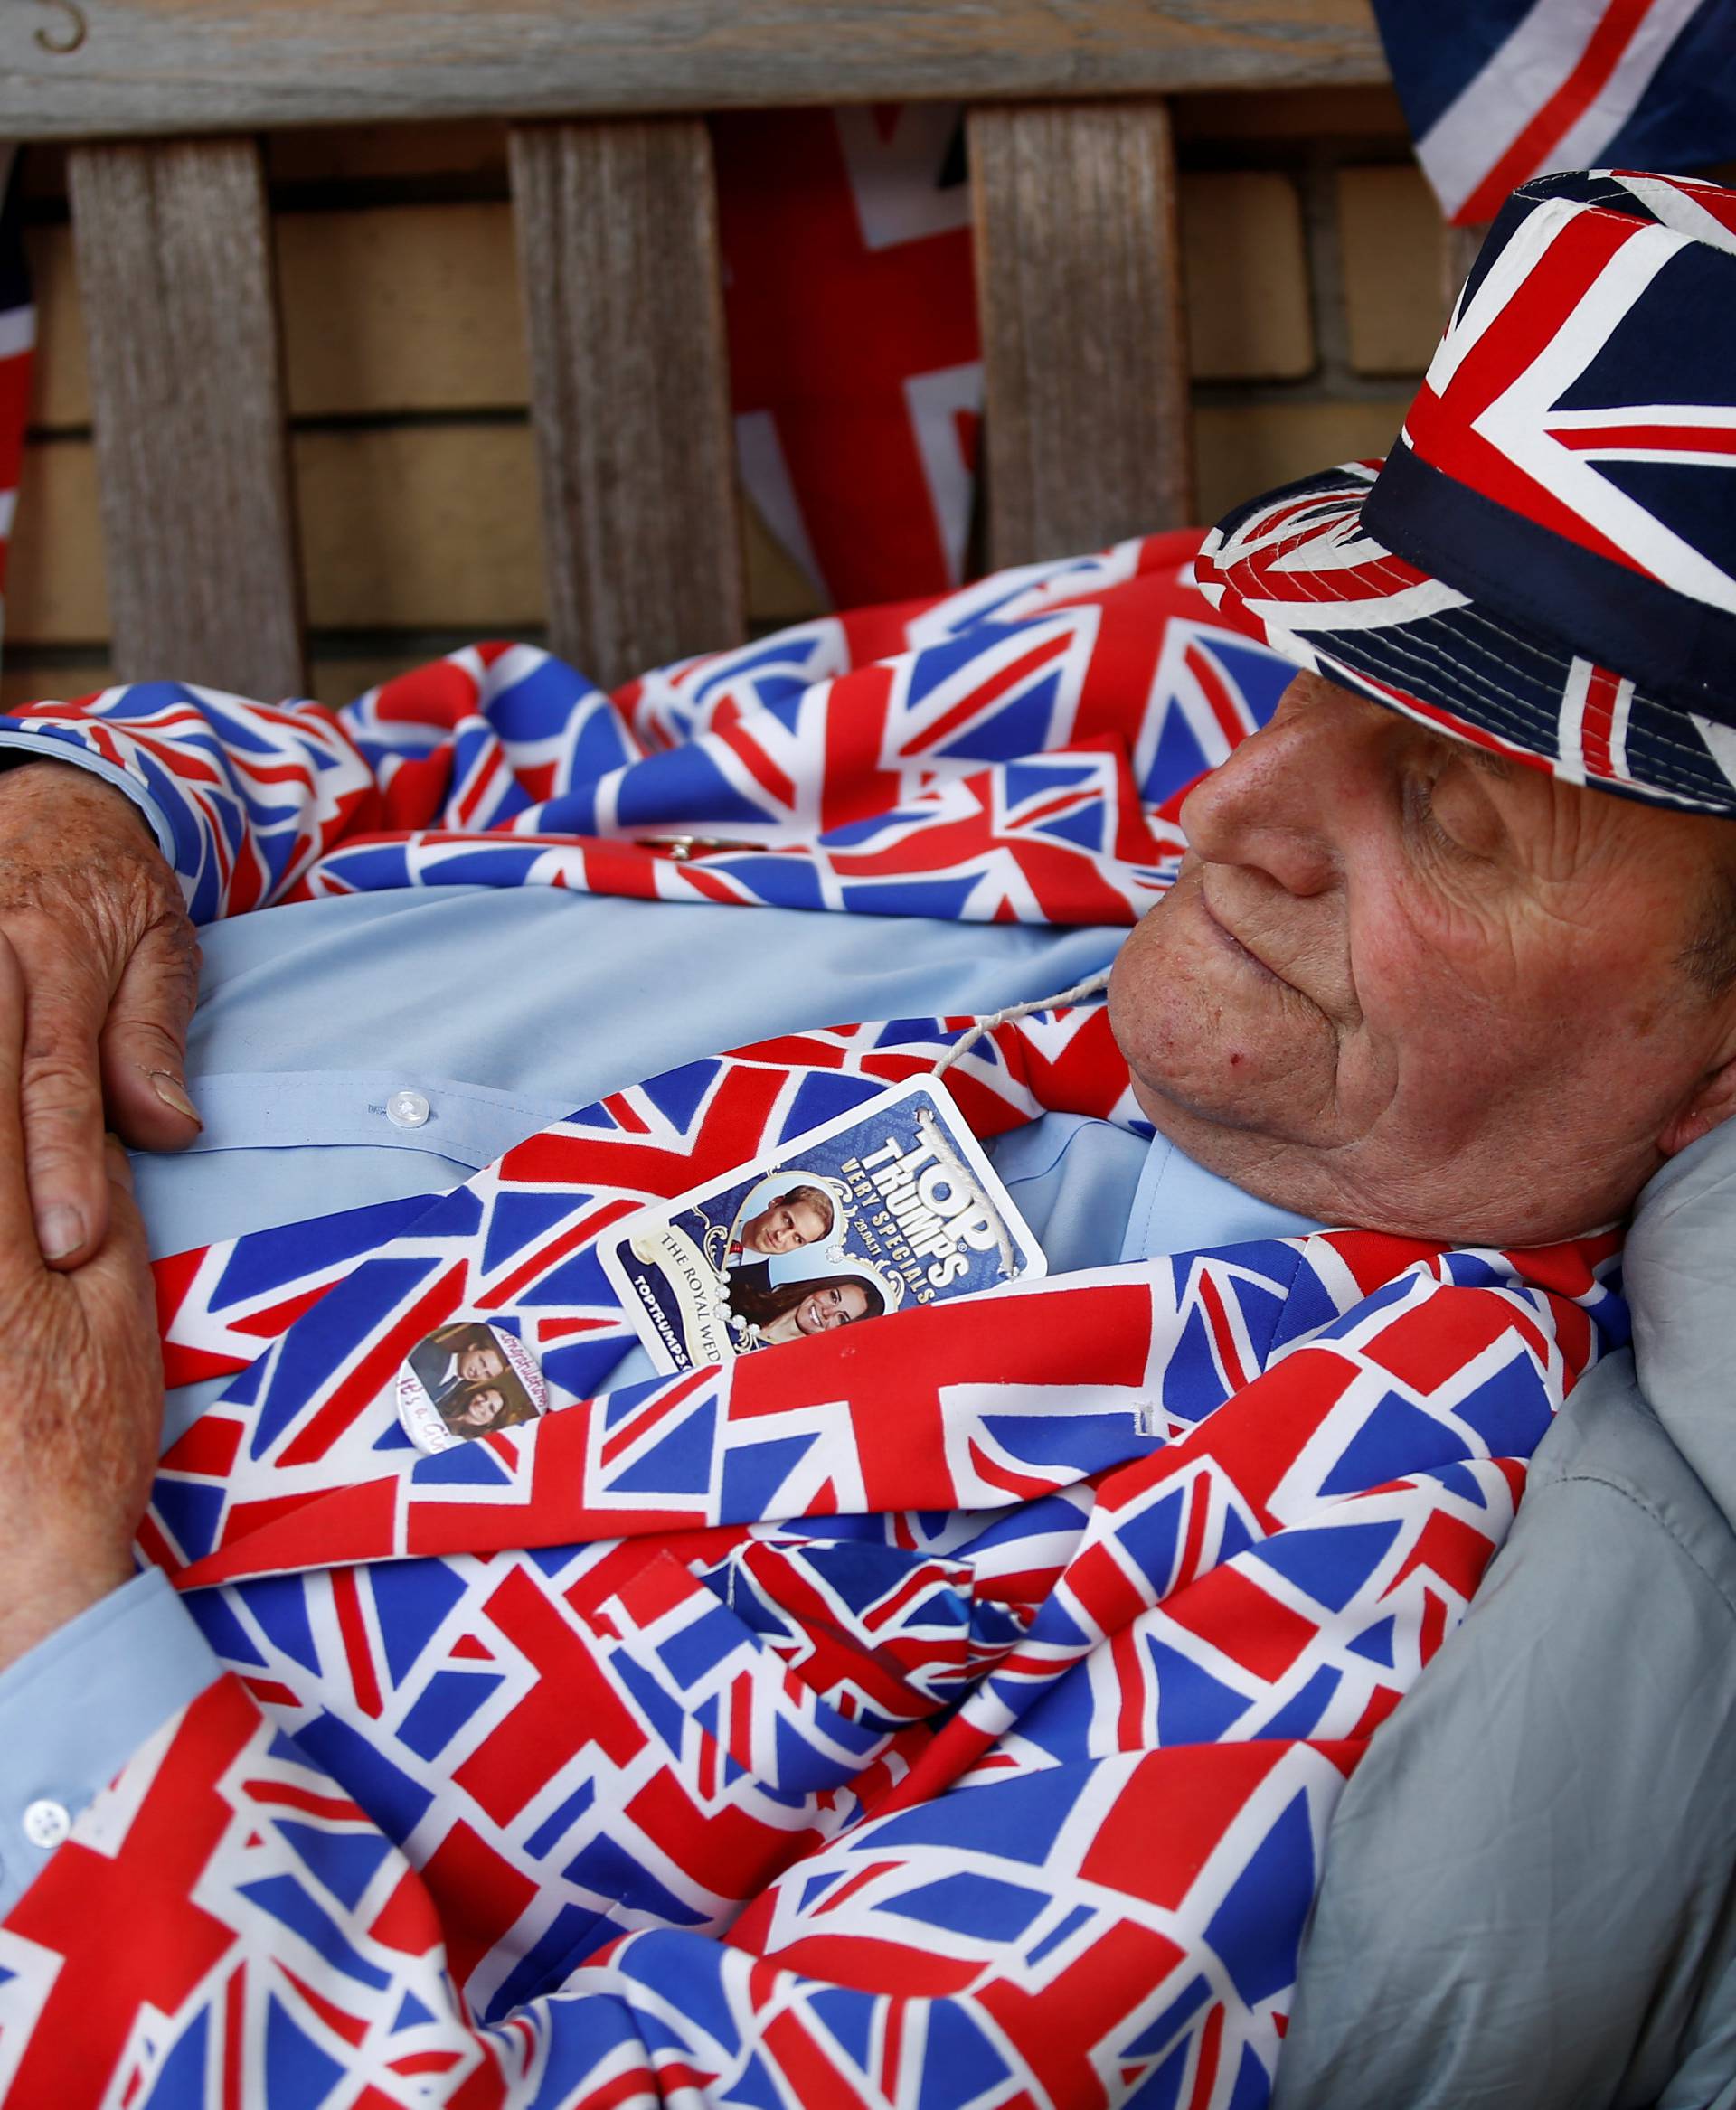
1074, 194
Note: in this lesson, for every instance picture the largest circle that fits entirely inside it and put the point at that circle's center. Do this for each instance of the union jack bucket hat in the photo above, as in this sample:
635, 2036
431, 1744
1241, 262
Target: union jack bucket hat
1545, 563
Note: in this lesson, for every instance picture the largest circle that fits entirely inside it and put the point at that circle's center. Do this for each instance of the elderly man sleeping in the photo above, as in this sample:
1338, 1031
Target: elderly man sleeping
957, 1706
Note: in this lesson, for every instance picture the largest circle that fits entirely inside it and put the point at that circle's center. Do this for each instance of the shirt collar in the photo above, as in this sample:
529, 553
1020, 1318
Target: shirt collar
1178, 1207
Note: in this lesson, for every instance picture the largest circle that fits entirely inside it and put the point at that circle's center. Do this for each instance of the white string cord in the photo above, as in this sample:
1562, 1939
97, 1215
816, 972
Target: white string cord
1076, 994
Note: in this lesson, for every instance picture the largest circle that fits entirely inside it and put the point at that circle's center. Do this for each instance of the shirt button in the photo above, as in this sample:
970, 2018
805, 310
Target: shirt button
46, 1824
407, 1108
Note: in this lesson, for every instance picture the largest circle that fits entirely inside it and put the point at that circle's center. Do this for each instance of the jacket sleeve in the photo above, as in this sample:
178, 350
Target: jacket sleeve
242, 796
1526, 1881
246, 798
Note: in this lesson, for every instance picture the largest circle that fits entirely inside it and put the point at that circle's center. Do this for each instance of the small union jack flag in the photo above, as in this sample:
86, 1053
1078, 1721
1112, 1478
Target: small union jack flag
855, 356
1499, 91
17, 348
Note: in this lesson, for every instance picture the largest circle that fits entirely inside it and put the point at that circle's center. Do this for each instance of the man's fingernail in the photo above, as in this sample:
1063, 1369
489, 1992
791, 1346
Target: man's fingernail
174, 1096
60, 1230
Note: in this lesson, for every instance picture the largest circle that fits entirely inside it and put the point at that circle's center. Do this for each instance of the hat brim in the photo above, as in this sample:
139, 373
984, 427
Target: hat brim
1298, 569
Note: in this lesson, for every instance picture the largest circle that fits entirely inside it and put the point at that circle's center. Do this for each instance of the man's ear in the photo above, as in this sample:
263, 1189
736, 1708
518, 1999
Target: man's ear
1712, 1102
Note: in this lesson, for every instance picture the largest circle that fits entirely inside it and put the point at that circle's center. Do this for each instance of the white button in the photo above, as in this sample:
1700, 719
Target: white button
407, 1108
46, 1824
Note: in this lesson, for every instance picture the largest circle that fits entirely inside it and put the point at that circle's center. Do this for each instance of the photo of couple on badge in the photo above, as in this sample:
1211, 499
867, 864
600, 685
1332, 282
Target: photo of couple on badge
469, 1374
771, 1296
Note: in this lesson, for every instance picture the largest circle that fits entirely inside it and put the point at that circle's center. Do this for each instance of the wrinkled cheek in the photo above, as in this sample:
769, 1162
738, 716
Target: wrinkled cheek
1377, 1085
1451, 1031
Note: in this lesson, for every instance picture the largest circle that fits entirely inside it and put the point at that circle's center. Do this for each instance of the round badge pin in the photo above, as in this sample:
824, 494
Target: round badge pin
465, 1380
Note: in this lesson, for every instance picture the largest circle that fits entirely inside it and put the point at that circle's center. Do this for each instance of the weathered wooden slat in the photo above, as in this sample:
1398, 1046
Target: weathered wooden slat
1084, 348
84, 68
629, 390
175, 274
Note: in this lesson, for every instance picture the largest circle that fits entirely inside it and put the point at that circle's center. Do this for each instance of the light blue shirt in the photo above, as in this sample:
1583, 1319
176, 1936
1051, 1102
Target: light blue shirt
500, 1012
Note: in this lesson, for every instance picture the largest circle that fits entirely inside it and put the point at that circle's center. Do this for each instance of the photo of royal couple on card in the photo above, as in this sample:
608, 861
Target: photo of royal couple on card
781, 1281
888, 1205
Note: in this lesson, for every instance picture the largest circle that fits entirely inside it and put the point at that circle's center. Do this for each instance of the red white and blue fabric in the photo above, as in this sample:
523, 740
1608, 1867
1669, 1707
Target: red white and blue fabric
903, 1719
1012, 752
1498, 91
1546, 561
948, 1712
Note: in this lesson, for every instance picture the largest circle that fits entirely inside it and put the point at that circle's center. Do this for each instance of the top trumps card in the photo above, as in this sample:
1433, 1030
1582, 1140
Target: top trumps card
890, 1206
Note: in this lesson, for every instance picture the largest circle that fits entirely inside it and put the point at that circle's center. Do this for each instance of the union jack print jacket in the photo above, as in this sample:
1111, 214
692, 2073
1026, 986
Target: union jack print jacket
946, 1711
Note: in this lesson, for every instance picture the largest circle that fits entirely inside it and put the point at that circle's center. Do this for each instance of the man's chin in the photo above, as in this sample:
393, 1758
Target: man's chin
1203, 1129
1263, 1166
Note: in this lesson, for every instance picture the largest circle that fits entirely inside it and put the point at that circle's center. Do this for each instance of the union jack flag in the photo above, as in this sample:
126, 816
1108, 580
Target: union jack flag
946, 1711
17, 349
1499, 91
855, 365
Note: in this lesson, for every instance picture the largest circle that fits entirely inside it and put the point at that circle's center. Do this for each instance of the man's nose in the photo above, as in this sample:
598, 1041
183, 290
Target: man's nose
1279, 803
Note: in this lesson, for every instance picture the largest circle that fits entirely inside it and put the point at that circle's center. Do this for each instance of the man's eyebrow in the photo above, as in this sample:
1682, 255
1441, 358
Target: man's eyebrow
1491, 765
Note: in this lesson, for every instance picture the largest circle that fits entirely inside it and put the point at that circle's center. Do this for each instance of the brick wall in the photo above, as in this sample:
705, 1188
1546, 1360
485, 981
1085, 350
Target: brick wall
1316, 282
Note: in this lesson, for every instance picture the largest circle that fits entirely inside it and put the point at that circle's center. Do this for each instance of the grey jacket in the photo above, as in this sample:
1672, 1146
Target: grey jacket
1529, 1887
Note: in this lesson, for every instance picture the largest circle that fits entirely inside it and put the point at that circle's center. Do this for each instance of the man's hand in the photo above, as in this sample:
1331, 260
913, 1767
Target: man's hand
109, 971
80, 1384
